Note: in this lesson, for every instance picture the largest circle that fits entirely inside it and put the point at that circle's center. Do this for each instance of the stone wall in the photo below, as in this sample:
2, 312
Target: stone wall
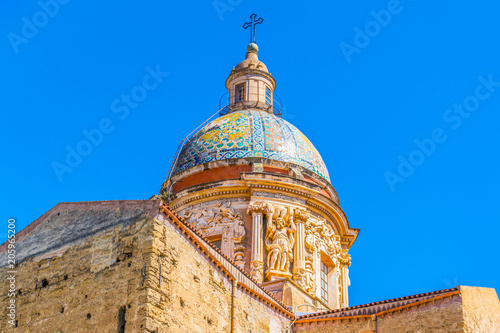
355, 325
195, 295
440, 316
81, 269
95, 267
481, 309
466, 309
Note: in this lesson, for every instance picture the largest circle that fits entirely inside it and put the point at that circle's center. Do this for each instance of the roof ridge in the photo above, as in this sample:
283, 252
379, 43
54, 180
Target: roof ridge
398, 299
27, 229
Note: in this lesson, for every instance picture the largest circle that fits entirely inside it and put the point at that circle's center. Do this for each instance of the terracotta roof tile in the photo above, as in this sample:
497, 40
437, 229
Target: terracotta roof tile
375, 307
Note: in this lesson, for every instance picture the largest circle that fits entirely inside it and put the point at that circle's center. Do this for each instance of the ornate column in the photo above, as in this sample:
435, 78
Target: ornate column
299, 268
334, 293
257, 210
345, 263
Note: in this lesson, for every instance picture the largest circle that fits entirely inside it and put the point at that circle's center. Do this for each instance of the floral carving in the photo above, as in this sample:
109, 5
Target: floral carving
220, 220
321, 235
345, 259
256, 267
301, 215
300, 277
259, 207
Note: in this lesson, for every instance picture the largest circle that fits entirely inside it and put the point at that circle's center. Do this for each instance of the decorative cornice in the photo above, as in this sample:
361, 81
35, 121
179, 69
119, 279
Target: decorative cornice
208, 195
279, 188
240, 72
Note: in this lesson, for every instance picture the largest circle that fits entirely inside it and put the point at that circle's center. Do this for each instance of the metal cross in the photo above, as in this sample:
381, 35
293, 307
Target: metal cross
253, 22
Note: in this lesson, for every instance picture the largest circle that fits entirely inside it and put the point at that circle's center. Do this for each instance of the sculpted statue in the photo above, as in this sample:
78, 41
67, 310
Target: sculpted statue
279, 244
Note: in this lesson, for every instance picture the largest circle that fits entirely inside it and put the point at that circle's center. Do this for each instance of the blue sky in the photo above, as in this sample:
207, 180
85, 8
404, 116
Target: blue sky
402, 100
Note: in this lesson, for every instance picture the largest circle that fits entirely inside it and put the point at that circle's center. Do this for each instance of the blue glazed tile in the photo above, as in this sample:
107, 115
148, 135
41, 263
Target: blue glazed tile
251, 134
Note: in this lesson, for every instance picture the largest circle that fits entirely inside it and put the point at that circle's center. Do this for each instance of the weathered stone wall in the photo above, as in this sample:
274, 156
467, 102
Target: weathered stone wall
481, 309
82, 269
194, 295
101, 273
256, 316
440, 316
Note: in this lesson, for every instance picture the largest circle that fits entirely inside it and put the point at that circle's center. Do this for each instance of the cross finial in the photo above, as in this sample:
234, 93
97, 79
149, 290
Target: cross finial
253, 22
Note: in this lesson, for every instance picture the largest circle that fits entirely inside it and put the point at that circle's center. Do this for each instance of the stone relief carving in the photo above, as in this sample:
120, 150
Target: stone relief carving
259, 207
220, 220
345, 259
310, 283
238, 236
256, 270
320, 235
300, 277
301, 215
279, 241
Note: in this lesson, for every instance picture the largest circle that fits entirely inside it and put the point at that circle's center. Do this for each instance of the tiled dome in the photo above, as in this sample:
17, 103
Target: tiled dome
251, 134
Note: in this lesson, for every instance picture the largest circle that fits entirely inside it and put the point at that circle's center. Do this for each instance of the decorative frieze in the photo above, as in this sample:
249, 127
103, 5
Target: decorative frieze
320, 236
222, 221
279, 196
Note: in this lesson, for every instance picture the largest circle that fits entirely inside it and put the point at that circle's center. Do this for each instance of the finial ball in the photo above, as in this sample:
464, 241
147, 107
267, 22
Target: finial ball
252, 47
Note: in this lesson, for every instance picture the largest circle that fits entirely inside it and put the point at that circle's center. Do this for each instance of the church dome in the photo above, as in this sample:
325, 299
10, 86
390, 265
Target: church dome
251, 133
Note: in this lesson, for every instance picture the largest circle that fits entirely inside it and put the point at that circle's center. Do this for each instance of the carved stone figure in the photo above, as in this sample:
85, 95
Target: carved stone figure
256, 270
310, 276
279, 242
237, 234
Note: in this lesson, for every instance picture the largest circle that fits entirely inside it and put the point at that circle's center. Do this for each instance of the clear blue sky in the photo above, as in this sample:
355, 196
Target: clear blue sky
362, 85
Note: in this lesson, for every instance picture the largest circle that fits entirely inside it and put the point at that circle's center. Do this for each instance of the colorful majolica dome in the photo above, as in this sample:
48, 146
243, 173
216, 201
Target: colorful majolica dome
248, 133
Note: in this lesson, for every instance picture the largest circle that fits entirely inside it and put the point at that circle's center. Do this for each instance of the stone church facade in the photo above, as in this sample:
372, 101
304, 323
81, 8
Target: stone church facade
246, 235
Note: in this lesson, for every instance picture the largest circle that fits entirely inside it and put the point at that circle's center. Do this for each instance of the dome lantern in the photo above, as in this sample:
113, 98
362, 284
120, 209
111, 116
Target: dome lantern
250, 85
